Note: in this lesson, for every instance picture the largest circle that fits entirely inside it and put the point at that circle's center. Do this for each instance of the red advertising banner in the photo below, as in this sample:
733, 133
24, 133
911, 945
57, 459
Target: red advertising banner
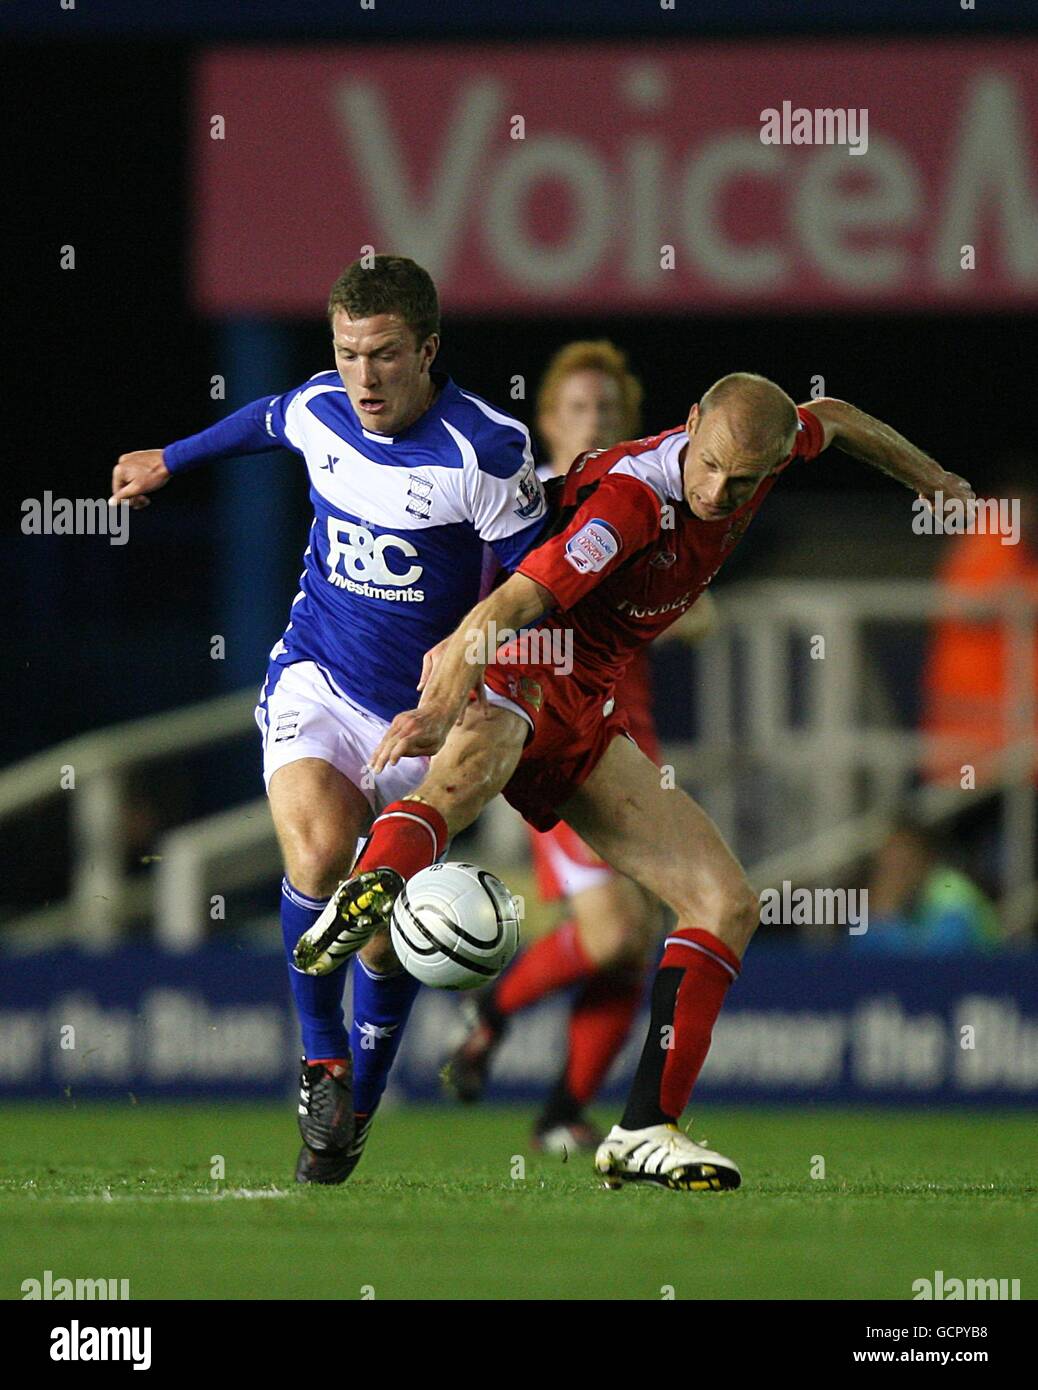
715, 177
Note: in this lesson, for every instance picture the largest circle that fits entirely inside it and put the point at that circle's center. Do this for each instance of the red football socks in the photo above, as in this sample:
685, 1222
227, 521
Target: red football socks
407, 836
552, 963
598, 1028
689, 989
335, 1066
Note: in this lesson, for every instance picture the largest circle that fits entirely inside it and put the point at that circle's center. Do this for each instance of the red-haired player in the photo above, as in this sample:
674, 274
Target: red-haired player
646, 525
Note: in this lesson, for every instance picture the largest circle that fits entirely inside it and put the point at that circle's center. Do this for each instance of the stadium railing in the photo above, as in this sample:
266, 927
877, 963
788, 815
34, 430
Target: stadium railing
91, 770
798, 743
798, 758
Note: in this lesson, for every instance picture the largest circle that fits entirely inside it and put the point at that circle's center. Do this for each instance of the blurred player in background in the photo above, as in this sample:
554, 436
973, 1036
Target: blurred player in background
588, 399
411, 479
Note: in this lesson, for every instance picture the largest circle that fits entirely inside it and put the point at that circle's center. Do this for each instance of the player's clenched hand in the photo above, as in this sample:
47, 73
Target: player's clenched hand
138, 473
952, 486
415, 733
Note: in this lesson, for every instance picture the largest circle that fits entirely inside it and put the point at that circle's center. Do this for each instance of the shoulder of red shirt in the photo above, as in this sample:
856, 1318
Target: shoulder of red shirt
810, 440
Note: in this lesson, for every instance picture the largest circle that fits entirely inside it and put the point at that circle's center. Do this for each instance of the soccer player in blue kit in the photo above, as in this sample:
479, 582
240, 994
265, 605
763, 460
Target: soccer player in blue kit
411, 478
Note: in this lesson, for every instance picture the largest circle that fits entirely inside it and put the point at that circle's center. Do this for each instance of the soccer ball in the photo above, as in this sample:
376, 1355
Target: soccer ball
454, 926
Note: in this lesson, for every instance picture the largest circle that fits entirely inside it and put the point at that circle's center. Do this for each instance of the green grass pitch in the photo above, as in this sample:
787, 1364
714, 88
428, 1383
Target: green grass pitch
434, 1211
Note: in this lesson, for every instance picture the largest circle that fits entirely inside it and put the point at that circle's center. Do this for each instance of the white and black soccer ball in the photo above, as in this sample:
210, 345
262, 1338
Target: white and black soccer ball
454, 926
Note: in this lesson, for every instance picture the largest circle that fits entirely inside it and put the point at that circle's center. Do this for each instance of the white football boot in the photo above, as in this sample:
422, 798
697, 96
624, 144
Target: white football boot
357, 909
663, 1155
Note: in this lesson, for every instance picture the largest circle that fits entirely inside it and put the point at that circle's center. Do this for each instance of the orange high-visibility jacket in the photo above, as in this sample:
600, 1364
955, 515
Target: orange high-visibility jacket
964, 680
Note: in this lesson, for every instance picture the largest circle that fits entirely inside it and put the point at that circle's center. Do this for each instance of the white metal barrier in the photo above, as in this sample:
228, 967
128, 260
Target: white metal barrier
825, 792
91, 770
798, 801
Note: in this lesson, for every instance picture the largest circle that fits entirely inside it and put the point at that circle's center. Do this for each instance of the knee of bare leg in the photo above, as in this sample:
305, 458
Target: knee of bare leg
618, 938
614, 939
740, 915
730, 912
598, 939
316, 864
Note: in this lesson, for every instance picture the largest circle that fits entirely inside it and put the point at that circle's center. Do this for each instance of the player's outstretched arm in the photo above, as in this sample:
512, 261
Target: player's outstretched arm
866, 438
255, 429
458, 667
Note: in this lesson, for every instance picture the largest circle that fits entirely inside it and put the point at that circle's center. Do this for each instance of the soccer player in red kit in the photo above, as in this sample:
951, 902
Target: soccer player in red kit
644, 528
588, 399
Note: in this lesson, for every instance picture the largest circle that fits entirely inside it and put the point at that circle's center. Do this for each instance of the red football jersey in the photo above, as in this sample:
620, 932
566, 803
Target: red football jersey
633, 556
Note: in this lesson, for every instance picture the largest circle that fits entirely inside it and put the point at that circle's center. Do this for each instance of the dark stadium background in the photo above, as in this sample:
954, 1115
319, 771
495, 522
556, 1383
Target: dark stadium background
111, 358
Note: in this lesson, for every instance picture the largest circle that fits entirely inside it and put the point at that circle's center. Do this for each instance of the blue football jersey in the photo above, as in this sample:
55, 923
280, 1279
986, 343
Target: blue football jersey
400, 528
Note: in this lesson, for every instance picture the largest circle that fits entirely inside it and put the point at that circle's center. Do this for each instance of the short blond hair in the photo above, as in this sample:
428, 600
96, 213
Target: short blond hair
597, 356
759, 414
